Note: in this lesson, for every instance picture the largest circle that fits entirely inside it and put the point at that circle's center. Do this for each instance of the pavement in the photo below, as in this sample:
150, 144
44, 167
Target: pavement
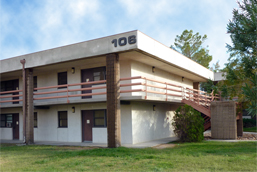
152, 143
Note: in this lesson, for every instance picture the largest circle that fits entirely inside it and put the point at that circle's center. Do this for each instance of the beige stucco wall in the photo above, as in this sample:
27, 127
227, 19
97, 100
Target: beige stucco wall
7, 133
151, 125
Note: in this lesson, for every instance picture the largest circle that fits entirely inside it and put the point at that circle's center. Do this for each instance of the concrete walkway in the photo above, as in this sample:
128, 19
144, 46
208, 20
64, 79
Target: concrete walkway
138, 145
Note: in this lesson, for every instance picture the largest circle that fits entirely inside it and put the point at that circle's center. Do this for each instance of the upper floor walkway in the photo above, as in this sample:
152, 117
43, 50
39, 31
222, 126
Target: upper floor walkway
131, 89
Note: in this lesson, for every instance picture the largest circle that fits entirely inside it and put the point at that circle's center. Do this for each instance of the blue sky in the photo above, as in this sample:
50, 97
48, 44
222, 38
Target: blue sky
28, 26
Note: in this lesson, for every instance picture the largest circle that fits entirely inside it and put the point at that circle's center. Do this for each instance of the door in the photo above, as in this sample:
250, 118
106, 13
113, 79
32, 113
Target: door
87, 125
87, 76
15, 126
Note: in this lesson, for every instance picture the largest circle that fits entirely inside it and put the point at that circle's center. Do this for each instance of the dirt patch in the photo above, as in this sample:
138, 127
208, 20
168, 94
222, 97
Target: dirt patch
164, 146
246, 136
76, 147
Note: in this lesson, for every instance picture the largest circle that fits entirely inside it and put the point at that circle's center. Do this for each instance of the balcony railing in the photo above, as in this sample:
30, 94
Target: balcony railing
146, 88
12, 97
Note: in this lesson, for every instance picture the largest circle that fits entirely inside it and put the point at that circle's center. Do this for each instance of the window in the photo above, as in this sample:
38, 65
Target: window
6, 120
35, 82
99, 118
99, 73
62, 79
62, 119
9, 85
35, 119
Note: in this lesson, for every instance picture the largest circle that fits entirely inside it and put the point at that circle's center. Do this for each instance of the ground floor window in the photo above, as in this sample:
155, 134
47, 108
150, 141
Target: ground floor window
100, 118
6, 120
62, 119
35, 119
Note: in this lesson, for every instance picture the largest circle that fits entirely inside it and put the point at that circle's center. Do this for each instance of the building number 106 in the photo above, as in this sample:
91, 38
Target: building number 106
123, 41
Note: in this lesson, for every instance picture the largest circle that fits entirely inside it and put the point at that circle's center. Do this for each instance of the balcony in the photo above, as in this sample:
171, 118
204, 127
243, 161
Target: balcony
131, 88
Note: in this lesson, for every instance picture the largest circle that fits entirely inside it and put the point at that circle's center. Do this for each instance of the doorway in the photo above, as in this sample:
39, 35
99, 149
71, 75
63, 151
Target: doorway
87, 125
15, 122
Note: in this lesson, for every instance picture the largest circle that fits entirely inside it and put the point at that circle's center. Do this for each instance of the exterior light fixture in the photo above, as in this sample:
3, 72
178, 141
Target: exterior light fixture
182, 78
154, 107
153, 69
73, 109
72, 70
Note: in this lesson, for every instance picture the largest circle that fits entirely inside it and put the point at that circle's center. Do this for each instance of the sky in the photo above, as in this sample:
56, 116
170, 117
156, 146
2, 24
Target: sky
28, 26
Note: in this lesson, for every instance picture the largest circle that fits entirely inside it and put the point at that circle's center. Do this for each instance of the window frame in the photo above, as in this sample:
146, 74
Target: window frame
105, 119
59, 120
5, 121
62, 79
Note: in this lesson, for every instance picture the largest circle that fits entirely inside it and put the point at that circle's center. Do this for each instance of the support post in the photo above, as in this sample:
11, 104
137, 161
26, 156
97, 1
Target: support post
24, 98
239, 122
29, 107
113, 100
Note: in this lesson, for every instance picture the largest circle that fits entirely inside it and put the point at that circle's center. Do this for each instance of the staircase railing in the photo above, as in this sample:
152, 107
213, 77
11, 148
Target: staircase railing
201, 98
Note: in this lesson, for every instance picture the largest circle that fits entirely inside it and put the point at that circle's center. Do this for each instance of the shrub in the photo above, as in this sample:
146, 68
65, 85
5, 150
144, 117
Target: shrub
247, 123
188, 124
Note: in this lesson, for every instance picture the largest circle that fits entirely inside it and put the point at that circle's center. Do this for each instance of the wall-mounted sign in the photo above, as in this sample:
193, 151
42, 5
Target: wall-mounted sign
123, 41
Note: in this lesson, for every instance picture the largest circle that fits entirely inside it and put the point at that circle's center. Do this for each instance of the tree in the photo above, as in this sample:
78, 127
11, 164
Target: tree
215, 67
190, 45
242, 67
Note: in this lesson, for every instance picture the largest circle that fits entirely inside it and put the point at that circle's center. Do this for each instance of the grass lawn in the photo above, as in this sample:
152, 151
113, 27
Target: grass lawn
205, 156
251, 129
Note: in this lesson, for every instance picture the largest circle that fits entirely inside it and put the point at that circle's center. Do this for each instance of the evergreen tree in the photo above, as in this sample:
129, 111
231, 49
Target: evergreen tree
242, 67
190, 45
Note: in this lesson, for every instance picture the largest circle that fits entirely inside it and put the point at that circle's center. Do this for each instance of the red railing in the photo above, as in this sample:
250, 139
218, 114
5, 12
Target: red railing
14, 93
147, 86
70, 90
200, 97
164, 87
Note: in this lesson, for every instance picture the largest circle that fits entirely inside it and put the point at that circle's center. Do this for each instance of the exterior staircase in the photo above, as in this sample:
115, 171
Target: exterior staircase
200, 101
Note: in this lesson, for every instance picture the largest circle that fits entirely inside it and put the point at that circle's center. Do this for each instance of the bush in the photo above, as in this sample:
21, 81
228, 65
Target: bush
188, 124
248, 123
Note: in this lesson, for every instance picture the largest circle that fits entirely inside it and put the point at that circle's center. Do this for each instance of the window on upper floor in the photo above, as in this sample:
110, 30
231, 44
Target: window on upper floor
35, 82
10, 85
99, 74
62, 79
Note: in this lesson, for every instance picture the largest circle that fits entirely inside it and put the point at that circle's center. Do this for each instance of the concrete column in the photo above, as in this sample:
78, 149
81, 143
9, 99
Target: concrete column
113, 100
29, 136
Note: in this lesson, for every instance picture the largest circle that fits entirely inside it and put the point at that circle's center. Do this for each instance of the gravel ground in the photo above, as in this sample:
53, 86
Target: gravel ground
246, 136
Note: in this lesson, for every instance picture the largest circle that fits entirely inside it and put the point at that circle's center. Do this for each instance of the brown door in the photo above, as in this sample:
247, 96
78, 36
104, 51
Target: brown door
87, 76
15, 126
87, 125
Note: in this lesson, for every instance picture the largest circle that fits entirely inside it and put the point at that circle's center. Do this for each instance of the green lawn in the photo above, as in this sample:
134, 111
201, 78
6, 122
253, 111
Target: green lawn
205, 156
251, 129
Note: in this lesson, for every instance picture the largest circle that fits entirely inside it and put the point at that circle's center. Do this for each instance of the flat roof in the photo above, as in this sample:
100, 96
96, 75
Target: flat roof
133, 45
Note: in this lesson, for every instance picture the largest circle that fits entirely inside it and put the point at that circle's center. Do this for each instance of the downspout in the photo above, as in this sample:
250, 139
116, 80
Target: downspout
24, 98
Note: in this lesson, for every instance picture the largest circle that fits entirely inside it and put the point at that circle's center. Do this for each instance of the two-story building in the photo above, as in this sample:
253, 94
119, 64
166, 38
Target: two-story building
69, 92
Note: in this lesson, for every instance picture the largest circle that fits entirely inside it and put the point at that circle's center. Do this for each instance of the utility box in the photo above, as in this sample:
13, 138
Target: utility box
223, 120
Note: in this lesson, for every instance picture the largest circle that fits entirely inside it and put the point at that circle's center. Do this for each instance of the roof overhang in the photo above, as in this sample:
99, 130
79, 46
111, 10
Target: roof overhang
139, 48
